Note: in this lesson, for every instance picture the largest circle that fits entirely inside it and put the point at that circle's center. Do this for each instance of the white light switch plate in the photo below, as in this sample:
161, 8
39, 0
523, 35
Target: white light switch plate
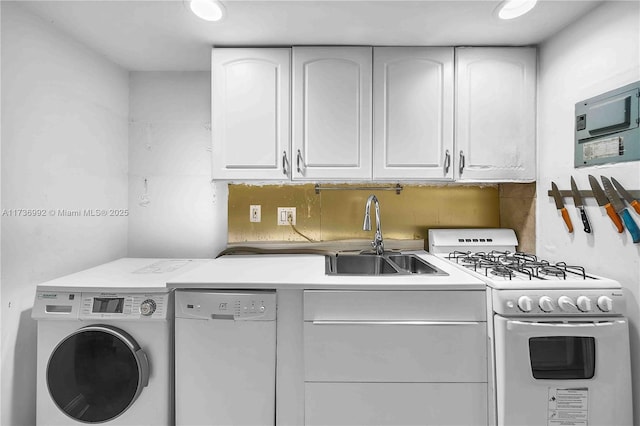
255, 213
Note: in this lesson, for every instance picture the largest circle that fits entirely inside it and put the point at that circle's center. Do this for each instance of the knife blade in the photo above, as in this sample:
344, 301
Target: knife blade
560, 206
625, 194
603, 201
577, 201
619, 207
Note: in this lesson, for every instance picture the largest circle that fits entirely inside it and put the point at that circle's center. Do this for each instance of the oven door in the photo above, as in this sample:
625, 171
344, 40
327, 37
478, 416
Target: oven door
563, 372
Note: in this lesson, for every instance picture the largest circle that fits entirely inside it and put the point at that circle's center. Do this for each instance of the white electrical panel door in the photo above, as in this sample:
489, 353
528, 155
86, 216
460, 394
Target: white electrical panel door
495, 114
413, 113
331, 113
250, 113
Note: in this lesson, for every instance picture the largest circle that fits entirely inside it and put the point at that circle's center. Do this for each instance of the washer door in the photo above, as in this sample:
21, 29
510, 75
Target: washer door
95, 374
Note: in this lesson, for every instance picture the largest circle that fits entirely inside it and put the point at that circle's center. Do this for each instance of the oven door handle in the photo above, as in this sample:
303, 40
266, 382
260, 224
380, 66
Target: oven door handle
528, 325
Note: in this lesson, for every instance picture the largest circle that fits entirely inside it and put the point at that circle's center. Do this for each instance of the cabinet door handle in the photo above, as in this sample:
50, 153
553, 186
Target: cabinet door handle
285, 164
447, 162
356, 322
461, 162
298, 160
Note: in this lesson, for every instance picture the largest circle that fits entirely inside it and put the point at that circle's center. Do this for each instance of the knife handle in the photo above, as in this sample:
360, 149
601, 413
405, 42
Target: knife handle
567, 219
614, 217
631, 225
636, 206
585, 220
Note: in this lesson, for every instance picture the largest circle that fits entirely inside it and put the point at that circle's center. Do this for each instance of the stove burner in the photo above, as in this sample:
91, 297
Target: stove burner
501, 271
470, 260
553, 271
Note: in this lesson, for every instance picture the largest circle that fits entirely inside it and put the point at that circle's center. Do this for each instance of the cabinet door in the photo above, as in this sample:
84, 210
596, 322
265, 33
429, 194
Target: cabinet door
495, 114
250, 113
395, 404
331, 113
395, 351
413, 112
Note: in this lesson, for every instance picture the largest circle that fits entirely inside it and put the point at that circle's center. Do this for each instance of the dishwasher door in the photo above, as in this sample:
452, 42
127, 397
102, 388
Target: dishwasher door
225, 357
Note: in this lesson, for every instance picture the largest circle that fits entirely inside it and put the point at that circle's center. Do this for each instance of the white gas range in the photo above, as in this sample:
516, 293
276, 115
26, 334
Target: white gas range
559, 339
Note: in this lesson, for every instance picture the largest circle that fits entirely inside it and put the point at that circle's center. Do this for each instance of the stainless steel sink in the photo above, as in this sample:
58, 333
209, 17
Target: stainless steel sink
358, 264
373, 264
414, 264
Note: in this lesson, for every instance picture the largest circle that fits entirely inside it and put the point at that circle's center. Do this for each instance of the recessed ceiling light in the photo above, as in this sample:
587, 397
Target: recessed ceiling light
209, 10
510, 9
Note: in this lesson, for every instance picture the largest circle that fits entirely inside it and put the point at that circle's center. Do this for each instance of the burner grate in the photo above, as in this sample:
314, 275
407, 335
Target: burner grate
507, 264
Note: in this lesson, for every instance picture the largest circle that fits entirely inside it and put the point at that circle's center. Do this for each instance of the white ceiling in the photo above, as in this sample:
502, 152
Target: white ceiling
165, 35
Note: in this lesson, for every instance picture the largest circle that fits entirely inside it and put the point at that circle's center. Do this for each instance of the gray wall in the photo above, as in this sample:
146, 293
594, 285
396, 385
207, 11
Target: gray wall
599, 53
181, 214
64, 146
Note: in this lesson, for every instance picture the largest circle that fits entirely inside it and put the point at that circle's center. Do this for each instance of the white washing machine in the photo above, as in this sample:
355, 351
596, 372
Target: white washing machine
105, 344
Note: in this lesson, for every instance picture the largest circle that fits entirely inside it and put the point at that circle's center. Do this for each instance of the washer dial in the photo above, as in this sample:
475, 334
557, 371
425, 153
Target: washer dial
148, 307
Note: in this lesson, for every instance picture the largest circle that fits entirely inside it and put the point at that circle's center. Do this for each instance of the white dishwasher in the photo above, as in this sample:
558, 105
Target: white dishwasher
225, 357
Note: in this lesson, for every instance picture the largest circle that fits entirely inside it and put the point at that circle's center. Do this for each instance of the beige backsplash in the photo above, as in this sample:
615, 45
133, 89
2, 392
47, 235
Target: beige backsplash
338, 214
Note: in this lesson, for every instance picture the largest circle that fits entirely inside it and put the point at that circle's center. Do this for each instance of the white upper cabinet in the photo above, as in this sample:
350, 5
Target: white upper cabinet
250, 113
331, 113
413, 113
495, 114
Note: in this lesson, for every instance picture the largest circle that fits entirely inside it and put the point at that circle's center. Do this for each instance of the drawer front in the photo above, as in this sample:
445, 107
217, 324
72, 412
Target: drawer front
395, 404
395, 351
448, 305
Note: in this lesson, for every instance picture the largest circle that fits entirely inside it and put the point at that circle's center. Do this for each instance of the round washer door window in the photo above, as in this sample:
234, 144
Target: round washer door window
95, 374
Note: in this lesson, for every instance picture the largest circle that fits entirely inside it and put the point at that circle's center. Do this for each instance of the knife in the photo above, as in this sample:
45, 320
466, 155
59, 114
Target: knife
618, 205
577, 200
560, 206
603, 201
625, 194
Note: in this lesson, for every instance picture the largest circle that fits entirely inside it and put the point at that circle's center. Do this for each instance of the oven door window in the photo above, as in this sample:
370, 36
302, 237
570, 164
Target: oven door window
562, 357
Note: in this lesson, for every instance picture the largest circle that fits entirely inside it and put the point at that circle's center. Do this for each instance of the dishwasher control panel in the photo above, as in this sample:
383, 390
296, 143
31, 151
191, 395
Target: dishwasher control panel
226, 305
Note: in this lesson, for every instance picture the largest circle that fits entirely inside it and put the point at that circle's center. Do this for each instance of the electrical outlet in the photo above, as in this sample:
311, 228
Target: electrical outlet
255, 213
284, 213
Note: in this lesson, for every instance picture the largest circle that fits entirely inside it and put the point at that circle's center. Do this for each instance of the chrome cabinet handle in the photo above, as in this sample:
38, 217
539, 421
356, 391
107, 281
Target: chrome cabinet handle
298, 162
392, 322
285, 164
447, 162
461, 162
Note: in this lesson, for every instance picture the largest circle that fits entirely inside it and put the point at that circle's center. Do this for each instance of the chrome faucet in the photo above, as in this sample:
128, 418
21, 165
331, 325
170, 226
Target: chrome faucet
377, 242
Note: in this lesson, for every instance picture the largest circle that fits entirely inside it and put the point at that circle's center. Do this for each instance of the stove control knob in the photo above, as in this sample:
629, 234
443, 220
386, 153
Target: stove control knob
525, 303
565, 303
584, 303
605, 303
148, 307
546, 303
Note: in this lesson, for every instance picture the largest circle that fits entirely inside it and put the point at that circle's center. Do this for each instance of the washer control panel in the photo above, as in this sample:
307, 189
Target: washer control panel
54, 305
558, 302
124, 305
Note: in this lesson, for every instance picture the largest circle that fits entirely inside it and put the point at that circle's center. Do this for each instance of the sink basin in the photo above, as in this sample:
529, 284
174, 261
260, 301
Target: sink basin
356, 264
370, 264
414, 264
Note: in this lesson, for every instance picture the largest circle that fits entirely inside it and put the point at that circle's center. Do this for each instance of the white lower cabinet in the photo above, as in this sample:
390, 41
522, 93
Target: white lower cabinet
395, 404
376, 357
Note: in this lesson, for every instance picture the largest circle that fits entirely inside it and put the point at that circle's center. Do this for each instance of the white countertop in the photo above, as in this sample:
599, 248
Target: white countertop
124, 275
296, 271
